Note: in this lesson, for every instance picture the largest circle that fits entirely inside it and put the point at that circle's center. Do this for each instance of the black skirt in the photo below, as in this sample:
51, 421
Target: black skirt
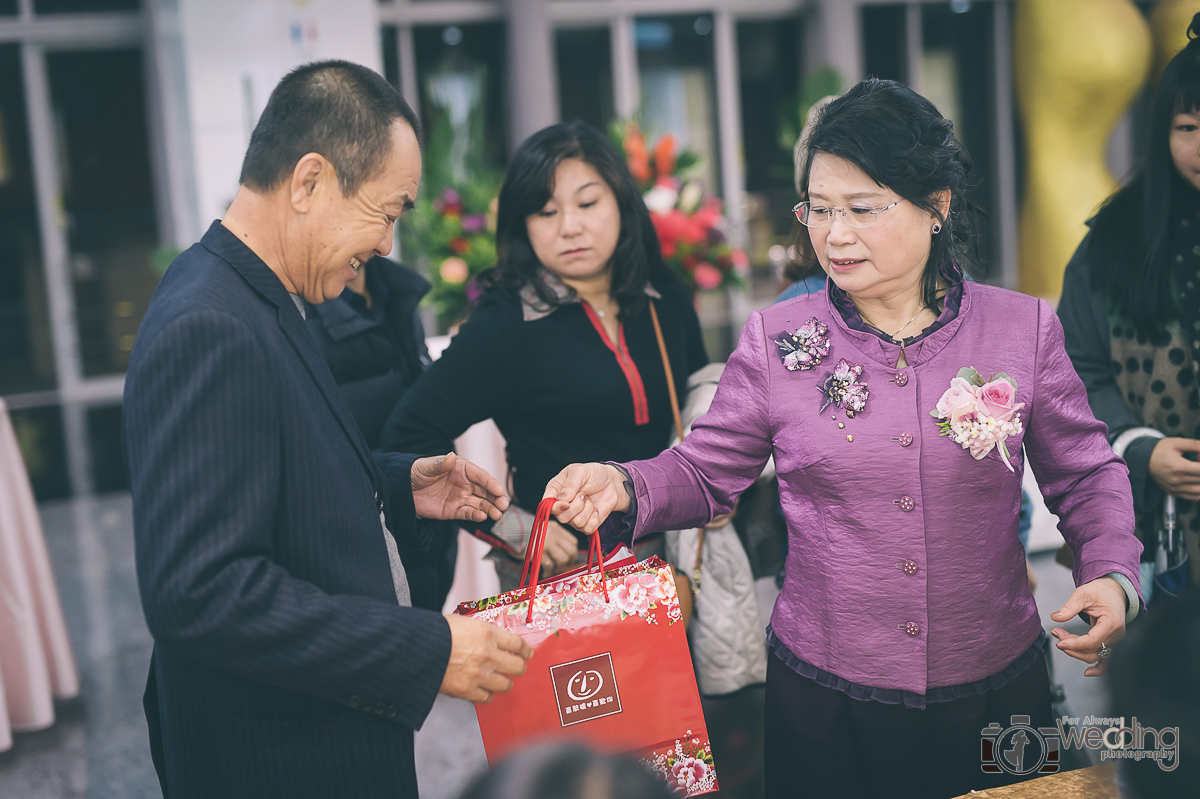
820, 742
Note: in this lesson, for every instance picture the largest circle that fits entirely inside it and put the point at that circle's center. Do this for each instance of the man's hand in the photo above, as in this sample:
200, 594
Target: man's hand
586, 494
1103, 600
450, 487
1174, 473
483, 659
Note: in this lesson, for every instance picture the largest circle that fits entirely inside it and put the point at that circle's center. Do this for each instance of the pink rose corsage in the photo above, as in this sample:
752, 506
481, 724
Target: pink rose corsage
979, 414
843, 389
805, 348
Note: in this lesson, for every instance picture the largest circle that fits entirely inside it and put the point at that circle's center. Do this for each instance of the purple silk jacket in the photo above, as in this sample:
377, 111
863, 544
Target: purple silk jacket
904, 569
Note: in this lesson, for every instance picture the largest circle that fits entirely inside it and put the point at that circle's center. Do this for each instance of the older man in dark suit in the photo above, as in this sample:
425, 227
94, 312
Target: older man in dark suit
287, 661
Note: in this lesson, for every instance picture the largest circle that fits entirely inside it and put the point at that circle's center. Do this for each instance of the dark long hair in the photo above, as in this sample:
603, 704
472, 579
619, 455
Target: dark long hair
527, 186
1130, 232
902, 142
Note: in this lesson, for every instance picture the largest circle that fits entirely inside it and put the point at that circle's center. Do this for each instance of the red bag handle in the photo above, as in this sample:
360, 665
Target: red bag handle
533, 555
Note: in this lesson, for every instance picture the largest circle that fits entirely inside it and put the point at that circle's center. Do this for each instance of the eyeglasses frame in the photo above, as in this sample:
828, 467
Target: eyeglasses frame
875, 212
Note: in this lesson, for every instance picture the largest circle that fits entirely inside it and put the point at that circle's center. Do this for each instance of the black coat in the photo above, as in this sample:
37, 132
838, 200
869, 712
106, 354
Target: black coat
283, 665
555, 389
375, 355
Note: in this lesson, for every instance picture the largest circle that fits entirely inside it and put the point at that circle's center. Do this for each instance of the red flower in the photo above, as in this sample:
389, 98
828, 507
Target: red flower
664, 155
707, 276
459, 246
636, 154
670, 227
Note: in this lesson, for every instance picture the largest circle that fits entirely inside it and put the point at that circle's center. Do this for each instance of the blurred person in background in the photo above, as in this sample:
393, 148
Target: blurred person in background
1130, 310
1152, 681
906, 623
567, 771
374, 343
579, 273
803, 272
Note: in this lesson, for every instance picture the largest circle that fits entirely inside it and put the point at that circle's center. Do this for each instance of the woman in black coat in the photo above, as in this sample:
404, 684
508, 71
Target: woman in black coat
579, 272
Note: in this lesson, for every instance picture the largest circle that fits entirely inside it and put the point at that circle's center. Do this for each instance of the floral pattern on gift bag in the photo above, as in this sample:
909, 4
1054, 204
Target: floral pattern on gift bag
611, 669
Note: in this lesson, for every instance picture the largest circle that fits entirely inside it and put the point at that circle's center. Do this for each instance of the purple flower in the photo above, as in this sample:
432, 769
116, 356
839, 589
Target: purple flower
474, 223
451, 197
845, 371
855, 399
472, 291
797, 360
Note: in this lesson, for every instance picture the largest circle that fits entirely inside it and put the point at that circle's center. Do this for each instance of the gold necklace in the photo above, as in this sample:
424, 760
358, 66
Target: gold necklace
901, 359
892, 336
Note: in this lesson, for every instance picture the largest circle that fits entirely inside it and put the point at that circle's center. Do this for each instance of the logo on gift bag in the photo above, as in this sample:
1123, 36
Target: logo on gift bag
586, 689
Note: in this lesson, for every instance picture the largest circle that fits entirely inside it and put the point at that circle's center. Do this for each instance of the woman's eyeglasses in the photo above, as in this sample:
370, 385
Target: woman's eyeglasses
817, 215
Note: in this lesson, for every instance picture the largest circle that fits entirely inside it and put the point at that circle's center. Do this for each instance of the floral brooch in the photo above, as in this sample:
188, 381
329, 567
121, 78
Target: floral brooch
979, 414
805, 348
843, 389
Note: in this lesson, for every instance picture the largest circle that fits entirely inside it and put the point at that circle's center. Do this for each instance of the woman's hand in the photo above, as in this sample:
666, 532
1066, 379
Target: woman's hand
1103, 599
1174, 473
586, 494
561, 551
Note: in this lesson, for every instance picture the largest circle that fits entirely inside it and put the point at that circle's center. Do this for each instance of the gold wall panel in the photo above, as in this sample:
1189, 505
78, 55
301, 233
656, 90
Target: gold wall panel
1078, 65
1169, 22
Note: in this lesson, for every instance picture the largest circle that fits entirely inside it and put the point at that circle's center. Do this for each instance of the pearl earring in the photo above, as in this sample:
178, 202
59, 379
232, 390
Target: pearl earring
937, 228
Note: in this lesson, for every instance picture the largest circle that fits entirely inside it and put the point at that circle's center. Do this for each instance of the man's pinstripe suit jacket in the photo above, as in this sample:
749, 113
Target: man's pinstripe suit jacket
283, 665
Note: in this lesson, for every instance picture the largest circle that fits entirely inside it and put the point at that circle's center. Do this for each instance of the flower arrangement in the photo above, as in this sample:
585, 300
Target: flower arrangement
690, 224
450, 233
454, 232
979, 414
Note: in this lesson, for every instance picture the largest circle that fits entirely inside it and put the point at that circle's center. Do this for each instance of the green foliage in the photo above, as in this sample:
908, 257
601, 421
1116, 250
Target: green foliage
450, 233
819, 83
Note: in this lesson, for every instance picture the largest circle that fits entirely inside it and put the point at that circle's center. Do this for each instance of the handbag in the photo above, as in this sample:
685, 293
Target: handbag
610, 666
729, 649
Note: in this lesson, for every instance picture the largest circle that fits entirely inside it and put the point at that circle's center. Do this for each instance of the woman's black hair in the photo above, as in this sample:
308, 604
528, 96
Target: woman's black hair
527, 186
567, 771
903, 143
1130, 232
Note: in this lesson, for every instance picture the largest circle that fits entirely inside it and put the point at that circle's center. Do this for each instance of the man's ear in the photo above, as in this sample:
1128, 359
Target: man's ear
311, 176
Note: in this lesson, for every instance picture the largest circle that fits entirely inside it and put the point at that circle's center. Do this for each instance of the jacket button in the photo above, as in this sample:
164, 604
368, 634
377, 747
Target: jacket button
391, 711
909, 567
379, 708
904, 439
355, 701
906, 503
911, 628
900, 379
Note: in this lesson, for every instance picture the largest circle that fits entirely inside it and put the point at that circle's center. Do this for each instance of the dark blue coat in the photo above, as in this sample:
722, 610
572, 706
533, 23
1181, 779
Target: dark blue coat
283, 665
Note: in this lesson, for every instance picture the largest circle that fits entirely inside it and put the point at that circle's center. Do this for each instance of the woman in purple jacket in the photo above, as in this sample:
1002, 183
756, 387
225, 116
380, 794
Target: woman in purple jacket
900, 406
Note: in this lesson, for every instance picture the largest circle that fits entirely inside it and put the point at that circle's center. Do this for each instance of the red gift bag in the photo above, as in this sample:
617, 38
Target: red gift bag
610, 666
